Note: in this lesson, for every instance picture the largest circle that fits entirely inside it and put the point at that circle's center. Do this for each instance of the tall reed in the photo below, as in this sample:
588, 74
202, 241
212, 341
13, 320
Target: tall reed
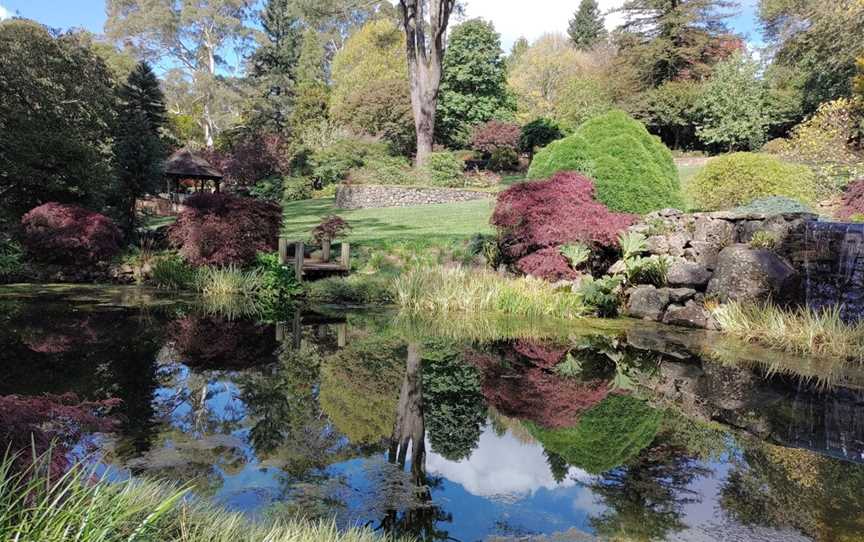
445, 290
77, 508
801, 330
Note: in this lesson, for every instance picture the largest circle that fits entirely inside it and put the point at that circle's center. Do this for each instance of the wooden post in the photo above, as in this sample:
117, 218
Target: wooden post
297, 328
345, 258
325, 250
283, 251
341, 335
299, 248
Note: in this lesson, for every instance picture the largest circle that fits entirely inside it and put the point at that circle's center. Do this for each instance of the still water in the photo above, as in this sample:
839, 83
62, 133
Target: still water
455, 430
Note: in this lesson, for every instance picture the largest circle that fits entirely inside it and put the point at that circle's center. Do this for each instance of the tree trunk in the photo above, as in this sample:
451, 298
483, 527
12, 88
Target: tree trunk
425, 55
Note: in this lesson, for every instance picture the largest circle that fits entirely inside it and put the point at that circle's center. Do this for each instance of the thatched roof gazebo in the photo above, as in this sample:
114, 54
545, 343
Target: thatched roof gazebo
186, 164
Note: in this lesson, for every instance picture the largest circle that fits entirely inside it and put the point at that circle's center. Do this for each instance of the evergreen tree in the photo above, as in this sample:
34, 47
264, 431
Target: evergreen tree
586, 26
664, 40
139, 151
312, 95
273, 66
473, 84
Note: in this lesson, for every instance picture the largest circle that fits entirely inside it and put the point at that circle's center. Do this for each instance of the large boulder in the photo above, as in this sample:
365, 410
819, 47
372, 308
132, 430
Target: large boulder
692, 314
647, 302
688, 275
746, 274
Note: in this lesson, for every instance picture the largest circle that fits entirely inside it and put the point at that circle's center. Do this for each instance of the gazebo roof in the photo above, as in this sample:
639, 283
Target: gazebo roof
185, 164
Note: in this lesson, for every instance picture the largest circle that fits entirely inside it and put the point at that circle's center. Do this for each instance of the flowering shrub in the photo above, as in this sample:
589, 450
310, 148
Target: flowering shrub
331, 227
541, 215
494, 135
853, 200
35, 424
219, 229
59, 233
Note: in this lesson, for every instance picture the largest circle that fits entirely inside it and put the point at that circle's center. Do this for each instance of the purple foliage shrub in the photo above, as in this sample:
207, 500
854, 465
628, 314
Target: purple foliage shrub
69, 234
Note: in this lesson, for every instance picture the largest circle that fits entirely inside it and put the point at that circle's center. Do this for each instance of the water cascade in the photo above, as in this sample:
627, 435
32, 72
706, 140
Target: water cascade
833, 267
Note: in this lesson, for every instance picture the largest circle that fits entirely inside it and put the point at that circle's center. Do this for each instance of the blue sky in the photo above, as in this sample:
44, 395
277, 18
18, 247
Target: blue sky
510, 17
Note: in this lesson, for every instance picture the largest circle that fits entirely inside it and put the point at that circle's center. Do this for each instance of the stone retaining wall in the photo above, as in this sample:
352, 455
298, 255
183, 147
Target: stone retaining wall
375, 196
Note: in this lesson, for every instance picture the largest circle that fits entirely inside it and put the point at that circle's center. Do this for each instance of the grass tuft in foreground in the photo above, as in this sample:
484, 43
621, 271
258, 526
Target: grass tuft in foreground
446, 290
803, 331
34, 507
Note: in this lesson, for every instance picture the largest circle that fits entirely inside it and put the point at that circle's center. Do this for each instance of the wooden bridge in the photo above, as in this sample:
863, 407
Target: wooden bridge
322, 265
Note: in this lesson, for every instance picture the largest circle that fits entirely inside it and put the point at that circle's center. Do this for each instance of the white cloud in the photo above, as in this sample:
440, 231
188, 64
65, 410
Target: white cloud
515, 19
5, 13
502, 467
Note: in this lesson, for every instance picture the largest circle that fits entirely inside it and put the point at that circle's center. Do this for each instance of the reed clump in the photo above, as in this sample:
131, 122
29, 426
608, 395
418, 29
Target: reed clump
457, 290
34, 506
801, 330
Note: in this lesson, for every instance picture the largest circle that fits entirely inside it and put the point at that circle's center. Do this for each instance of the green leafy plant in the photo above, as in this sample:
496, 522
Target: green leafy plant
576, 254
444, 169
650, 270
278, 282
632, 244
766, 240
602, 296
171, 272
296, 189
11, 258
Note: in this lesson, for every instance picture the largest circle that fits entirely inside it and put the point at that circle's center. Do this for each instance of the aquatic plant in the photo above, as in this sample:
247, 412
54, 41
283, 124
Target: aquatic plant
357, 289
229, 281
94, 510
445, 290
801, 330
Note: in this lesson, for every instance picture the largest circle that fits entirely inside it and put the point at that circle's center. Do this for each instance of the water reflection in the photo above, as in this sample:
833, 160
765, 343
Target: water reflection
596, 431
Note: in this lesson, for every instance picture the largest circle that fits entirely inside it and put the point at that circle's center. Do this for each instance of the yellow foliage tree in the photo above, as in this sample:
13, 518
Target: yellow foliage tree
540, 76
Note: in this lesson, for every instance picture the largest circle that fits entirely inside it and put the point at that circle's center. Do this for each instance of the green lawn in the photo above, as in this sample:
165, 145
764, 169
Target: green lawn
424, 224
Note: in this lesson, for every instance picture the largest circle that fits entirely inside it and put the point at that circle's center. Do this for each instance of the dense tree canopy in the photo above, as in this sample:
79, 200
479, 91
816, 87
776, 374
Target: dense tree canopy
474, 82
56, 117
665, 40
371, 92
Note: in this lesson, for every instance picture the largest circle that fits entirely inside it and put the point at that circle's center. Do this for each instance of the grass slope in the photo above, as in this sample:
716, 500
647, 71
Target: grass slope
424, 224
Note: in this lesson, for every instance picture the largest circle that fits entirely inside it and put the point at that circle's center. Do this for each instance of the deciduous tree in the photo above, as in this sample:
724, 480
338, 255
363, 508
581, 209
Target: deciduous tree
194, 35
425, 23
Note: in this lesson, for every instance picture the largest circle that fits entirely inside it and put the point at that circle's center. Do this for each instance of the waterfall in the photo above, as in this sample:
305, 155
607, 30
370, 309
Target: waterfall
833, 267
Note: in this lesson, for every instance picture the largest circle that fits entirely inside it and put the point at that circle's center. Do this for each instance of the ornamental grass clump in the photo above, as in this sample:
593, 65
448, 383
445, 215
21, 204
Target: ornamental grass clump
82, 506
802, 330
457, 290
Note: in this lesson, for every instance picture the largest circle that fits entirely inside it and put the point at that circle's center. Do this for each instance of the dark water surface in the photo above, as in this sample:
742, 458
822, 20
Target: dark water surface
453, 430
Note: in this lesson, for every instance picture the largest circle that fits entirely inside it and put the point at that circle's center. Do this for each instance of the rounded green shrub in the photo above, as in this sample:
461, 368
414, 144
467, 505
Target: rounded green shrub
632, 170
742, 177
608, 435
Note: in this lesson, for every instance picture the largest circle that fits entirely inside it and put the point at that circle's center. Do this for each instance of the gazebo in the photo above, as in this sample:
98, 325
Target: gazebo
185, 164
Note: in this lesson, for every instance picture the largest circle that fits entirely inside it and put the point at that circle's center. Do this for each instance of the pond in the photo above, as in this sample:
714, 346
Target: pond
487, 429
